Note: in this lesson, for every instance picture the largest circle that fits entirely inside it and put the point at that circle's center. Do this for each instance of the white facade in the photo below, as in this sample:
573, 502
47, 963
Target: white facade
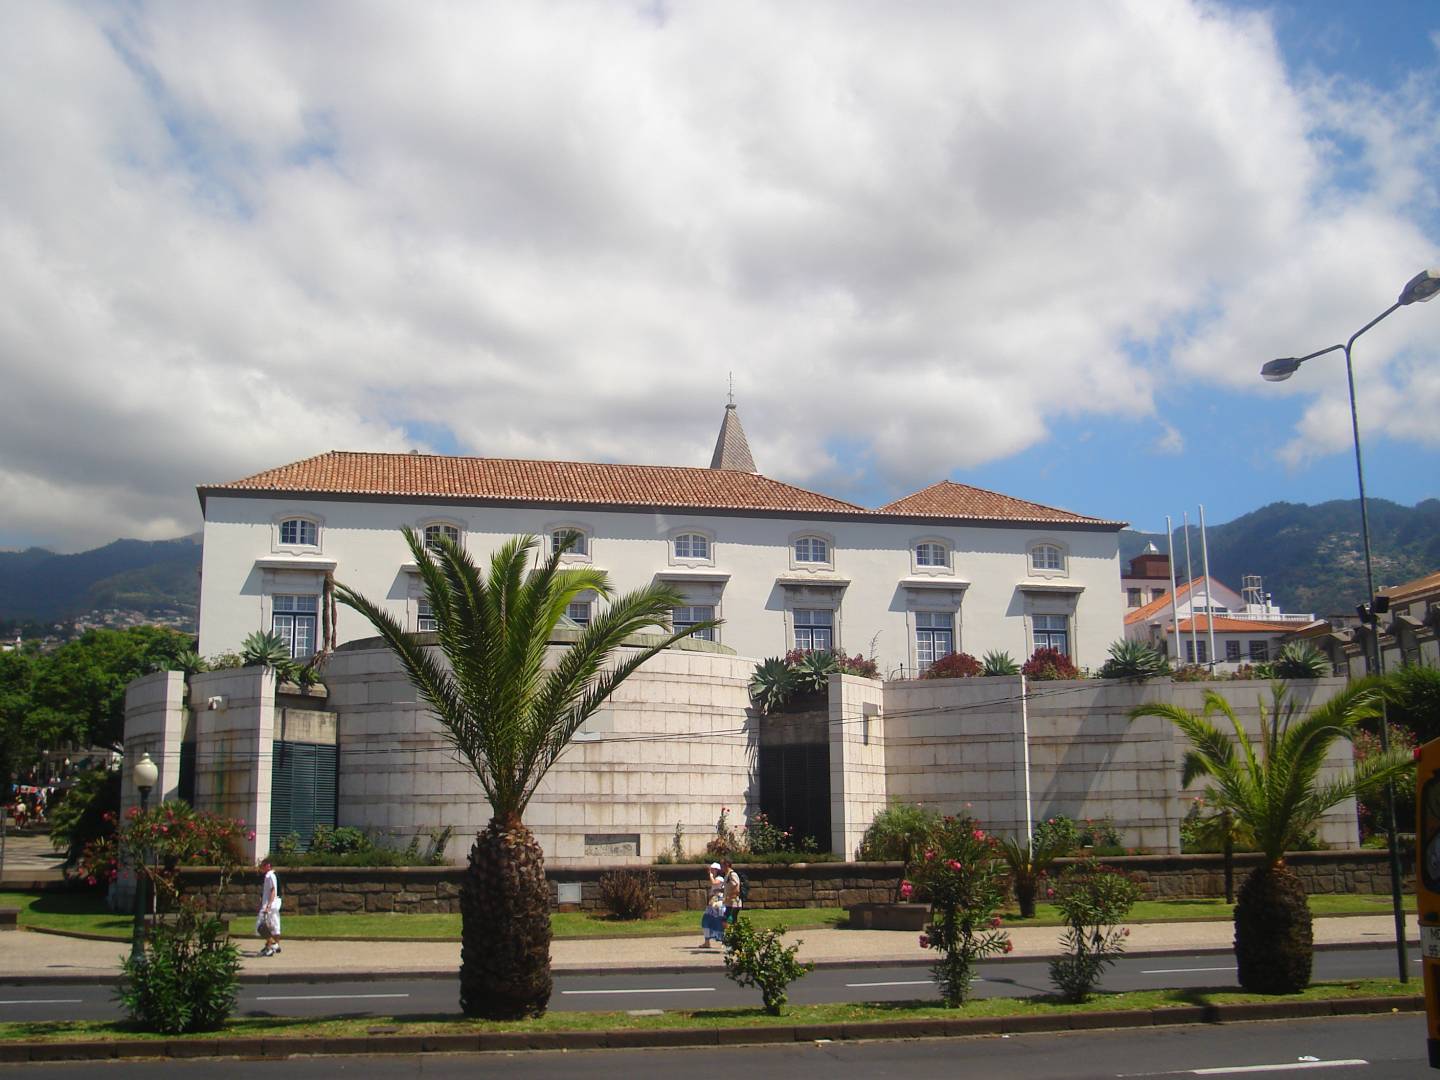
999, 585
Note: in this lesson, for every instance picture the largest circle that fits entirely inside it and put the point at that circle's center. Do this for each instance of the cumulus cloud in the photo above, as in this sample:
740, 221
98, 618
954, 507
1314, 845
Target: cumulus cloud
234, 237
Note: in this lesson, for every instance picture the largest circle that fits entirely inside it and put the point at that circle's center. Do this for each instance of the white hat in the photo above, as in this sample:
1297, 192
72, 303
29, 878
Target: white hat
714, 866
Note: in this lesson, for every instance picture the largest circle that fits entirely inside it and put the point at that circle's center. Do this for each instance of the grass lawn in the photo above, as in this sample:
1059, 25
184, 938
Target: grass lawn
83, 912
712, 1018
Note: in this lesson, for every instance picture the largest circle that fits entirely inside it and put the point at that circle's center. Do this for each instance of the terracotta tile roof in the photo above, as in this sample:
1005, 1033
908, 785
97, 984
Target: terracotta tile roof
1413, 590
948, 499
1238, 626
501, 479
1159, 604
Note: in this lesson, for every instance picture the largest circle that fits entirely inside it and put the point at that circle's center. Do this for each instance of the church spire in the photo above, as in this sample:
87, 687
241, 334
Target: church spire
732, 450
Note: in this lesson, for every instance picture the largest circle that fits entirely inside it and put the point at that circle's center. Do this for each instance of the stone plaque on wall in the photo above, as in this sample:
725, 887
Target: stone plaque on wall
604, 844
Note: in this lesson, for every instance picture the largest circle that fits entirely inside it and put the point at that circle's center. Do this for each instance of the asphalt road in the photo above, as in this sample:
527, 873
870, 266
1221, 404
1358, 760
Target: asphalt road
707, 989
1362, 1048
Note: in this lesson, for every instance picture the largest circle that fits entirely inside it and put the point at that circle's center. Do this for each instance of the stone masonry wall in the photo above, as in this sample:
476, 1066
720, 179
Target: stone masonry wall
410, 890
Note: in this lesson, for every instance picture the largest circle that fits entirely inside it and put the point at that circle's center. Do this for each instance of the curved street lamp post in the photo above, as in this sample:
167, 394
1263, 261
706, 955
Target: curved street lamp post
144, 774
1423, 286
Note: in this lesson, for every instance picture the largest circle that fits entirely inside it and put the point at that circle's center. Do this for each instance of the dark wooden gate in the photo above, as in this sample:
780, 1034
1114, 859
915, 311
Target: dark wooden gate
795, 789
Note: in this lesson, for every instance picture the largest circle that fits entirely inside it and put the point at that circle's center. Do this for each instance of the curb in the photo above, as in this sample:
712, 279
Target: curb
506, 1041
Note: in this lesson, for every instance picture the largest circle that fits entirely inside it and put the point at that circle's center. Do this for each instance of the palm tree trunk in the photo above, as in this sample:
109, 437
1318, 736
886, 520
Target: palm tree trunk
505, 926
1274, 934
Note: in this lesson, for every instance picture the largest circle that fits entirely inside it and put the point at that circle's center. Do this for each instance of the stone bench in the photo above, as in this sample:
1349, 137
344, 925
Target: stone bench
9, 918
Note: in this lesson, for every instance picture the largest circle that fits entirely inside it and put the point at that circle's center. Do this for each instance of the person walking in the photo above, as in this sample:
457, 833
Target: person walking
712, 922
733, 899
268, 920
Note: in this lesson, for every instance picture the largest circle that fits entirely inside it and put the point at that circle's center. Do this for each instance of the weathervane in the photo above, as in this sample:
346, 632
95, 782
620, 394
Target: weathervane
732, 388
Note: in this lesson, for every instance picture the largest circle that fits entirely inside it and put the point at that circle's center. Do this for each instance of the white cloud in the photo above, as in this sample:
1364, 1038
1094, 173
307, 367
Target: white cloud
1171, 441
233, 237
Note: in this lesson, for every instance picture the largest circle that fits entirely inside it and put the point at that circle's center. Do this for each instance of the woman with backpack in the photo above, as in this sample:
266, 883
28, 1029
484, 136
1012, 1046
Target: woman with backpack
734, 898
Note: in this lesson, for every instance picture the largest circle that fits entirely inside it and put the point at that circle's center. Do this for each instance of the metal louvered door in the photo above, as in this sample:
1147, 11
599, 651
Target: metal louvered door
795, 790
302, 790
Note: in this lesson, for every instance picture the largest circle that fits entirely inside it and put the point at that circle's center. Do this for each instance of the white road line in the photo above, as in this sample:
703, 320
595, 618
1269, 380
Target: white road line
1177, 971
44, 1001
327, 997
914, 982
654, 990
1339, 1063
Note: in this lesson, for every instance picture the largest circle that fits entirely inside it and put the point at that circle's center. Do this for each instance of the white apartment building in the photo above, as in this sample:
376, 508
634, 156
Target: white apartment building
949, 568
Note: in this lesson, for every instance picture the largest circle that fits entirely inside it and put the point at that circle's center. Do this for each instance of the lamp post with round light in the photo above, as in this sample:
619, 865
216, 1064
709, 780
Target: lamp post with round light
144, 774
1423, 286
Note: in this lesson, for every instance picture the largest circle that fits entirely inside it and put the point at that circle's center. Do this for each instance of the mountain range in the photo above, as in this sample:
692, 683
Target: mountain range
1311, 559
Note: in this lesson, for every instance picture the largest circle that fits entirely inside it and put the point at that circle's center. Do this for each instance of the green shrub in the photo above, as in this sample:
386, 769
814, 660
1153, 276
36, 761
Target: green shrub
87, 812
997, 662
628, 894
757, 958
1059, 833
899, 833
772, 685
1297, 660
189, 979
1092, 899
1134, 660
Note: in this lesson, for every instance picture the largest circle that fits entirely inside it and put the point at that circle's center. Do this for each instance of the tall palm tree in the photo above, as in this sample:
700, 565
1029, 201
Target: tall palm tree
1271, 789
510, 712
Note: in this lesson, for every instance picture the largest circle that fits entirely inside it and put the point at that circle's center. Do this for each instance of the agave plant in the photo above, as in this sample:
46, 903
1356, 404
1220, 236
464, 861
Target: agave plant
772, 685
812, 673
268, 649
997, 662
1297, 660
1134, 660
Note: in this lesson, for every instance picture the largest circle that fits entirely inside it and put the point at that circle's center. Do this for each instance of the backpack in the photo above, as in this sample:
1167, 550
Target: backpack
744, 886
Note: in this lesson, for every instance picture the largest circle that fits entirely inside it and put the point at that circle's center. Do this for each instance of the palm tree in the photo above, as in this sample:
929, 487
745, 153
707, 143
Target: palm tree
1271, 789
510, 713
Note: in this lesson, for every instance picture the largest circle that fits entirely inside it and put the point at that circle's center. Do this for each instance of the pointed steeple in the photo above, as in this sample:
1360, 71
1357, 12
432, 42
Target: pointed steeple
732, 450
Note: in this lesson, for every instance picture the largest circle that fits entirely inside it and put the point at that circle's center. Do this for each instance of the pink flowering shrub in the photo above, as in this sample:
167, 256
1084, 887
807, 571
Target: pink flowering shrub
966, 883
1093, 899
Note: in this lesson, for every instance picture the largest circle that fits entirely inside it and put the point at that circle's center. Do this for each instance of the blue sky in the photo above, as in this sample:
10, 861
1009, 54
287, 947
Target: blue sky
1039, 248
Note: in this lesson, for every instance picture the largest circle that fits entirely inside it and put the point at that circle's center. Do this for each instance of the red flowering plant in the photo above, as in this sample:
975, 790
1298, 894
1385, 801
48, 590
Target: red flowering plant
188, 978
967, 883
1092, 899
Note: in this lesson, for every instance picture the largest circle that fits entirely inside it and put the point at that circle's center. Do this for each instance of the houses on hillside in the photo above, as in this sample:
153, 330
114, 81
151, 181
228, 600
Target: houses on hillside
946, 569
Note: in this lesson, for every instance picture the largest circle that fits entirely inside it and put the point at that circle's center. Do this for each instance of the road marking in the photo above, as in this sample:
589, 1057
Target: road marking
1177, 971
44, 1001
327, 997
914, 982
1228, 1070
654, 990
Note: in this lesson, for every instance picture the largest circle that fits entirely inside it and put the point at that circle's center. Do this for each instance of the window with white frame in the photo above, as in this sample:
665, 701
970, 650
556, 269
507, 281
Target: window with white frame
683, 618
692, 546
814, 628
299, 532
931, 554
579, 542
293, 618
438, 531
1135, 597
934, 637
812, 549
1052, 632
1047, 557
425, 617
578, 612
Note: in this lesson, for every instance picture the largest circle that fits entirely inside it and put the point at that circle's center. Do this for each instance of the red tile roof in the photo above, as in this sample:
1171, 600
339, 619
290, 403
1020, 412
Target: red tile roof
341, 472
1239, 626
1161, 603
500, 479
1412, 590
948, 499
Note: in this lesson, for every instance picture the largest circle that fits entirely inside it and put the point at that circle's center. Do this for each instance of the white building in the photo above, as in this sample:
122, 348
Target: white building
948, 568
1205, 622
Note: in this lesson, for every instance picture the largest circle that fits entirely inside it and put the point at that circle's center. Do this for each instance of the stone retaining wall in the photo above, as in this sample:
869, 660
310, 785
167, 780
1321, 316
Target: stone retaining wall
327, 890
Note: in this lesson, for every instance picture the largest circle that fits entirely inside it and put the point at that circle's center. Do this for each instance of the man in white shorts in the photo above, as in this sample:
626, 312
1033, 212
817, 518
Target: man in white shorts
268, 920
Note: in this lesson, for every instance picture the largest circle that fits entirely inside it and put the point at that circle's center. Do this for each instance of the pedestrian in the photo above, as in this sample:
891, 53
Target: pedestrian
733, 900
267, 922
712, 922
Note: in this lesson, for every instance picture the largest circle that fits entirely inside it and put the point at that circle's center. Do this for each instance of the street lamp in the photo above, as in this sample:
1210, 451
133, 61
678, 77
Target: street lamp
1423, 286
144, 774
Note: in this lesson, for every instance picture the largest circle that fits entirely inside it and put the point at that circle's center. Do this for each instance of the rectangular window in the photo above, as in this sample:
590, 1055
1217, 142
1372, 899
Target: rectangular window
934, 637
929, 554
577, 546
814, 628
293, 619
1259, 652
425, 617
692, 546
1232, 652
1046, 557
297, 532
578, 612
1157, 594
682, 618
1197, 652
811, 549
1053, 632
1135, 597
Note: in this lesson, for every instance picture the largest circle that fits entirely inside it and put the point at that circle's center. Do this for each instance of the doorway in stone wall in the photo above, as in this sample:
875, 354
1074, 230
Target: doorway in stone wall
795, 789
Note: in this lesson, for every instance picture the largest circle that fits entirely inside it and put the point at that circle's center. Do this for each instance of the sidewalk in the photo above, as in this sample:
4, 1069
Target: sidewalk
31, 957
